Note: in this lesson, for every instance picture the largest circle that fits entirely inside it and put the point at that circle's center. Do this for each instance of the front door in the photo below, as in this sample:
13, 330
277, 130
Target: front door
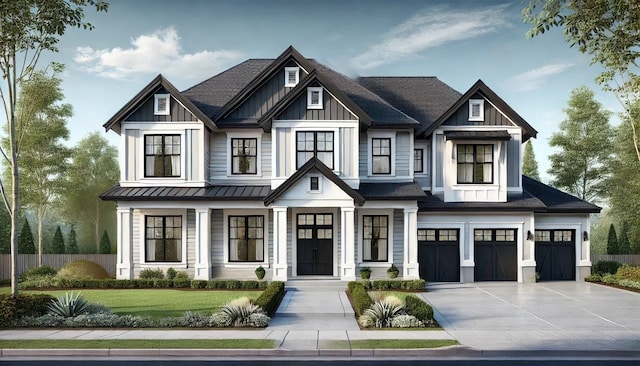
315, 244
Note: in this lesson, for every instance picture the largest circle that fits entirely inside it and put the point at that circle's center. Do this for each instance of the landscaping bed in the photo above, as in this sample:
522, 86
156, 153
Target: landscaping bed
625, 277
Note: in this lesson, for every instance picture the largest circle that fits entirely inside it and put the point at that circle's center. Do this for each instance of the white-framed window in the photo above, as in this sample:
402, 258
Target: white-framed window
291, 76
476, 109
161, 104
314, 97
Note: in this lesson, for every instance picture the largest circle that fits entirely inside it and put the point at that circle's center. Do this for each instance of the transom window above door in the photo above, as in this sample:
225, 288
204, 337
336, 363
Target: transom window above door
162, 155
317, 144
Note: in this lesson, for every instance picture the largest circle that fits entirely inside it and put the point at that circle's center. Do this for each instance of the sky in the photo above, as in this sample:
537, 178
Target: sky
189, 41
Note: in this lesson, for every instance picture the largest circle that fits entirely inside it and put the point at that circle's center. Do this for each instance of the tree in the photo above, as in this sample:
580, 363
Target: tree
27, 28
583, 164
57, 245
624, 247
25, 239
72, 248
94, 169
40, 127
607, 30
5, 231
105, 244
529, 163
612, 241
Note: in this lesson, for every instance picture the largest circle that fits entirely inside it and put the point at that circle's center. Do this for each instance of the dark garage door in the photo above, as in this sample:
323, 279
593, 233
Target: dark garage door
556, 254
495, 254
439, 255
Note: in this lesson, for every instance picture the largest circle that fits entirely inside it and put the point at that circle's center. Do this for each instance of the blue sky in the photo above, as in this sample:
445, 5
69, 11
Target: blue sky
188, 41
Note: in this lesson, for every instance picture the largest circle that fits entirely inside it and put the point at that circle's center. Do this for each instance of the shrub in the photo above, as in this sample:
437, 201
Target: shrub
259, 320
82, 270
171, 273
57, 244
181, 283
68, 306
38, 272
627, 272
610, 279
199, 284
38, 282
219, 320
360, 297
386, 285
602, 267
271, 297
406, 321
418, 308
630, 284
593, 278
239, 311
151, 273
182, 275
105, 243
24, 306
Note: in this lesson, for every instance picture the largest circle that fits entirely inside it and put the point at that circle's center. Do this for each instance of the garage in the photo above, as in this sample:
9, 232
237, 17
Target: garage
556, 255
495, 254
439, 255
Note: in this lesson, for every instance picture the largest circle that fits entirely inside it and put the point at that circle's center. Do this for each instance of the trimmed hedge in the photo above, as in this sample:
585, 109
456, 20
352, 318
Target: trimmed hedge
418, 308
359, 296
25, 305
627, 272
602, 267
157, 283
387, 285
271, 297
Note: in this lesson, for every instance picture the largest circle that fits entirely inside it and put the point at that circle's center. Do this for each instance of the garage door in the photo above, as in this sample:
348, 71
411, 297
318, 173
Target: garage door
556, 254
439, 255
495, 254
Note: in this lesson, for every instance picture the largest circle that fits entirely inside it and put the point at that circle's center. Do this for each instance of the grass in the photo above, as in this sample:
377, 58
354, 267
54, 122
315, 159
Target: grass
139, 344
394, 343
157, 303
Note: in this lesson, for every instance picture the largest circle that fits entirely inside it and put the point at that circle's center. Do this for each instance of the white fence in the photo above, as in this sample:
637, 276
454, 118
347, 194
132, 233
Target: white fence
27, 261
633, 259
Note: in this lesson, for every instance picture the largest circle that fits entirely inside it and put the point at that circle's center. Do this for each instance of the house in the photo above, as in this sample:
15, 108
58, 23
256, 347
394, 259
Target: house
287, 164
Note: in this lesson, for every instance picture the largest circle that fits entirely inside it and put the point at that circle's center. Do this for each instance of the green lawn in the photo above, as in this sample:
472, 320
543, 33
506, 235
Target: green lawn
158, 303
139, 344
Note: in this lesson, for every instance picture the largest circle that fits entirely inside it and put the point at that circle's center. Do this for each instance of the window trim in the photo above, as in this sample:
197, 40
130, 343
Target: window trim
480, 104
310, 91
225, 237
244, 139
475, 163
228, 241
318, 181
288, 71
375, 134
156, 104
144, 155
360, 236
142, 214
373, 155
415, 168
315, 147
385, 260
244, 135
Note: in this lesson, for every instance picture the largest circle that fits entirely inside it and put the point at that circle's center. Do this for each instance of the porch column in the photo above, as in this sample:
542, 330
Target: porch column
203, 244
124, 268
347, 240
410, 265
280, 243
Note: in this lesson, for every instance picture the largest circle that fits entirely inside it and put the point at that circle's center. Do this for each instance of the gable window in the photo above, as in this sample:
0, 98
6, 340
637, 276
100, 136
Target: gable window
381, 155
163, 238
244, 156
476, 110
475, 164
418, 161
314, 143
314, 184
291, 76
375, 238
161, 104
314, 98
162, 155
246, 238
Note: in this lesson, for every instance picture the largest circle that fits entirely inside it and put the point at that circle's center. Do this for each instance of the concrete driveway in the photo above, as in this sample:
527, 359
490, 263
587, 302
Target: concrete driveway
543, 316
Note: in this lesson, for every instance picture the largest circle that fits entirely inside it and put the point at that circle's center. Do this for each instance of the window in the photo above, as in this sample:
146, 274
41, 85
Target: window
476, 110
244, 156
381, 155
163, 239
162, 155
543, 235
312, 143
437, 235
375, 238
291, 76
475, 164
246, 238
504, 235
314, 184
418, 161
554, 235
161, 104
314, 98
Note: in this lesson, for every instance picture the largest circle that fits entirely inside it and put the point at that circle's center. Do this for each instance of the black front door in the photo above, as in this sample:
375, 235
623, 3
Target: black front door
439, 255
315, 244
556, 254
496, 255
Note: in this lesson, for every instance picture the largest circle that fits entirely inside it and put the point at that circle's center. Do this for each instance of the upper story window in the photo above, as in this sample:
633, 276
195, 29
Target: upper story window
314, 143
418, 160
246, 238
375, 238
475, 164
162, 155
163, 238
476, 110
244, 156
291, 76
161, 103
381, 155
314, 97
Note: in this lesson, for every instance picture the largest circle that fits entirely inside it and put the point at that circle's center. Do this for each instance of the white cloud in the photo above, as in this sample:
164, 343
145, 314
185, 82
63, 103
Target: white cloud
159, 52
532, 79
432, 28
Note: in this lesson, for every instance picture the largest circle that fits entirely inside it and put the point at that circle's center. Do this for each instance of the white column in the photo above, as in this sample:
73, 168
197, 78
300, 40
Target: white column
348, 248
280, 243
203, 245
410, 266
124, 268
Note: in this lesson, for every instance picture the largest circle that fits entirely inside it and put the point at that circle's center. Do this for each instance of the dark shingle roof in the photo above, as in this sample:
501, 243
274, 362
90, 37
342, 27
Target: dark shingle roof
392, 191
212, 193
555, 200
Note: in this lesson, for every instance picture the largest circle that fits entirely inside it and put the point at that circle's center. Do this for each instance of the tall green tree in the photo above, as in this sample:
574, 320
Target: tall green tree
41, 128
72, 248
28, 28
57, 245
105, 244
26, 244
583, 164
624, 247
612, 241
94, 169
5, 231
529, 163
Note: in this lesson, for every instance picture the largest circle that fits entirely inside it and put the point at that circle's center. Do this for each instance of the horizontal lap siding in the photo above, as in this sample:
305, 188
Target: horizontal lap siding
191, 241
145, 113
362, 151
283, 162
403, 153
439, 170
218, 155
266, 159
332, 110
398, 238
136, 239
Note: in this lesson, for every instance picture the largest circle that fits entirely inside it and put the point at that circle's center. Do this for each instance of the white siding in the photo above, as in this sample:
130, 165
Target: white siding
218, 155
191, 242
403, 154
362, 149
217, 241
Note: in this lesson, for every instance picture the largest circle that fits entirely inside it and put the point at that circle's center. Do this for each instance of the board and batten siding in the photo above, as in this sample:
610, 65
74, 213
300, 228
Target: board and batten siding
132, 151
283, 144
492, 116
403, 154
513, 161
332, 110
217, 238
145, 113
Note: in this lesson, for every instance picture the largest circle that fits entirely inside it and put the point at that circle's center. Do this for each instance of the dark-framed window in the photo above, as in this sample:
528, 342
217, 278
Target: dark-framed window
162, 155
314, 143
163, 238
244, 156
381, 155
246, 238
418, 160
494, 235
475, 164
375, 238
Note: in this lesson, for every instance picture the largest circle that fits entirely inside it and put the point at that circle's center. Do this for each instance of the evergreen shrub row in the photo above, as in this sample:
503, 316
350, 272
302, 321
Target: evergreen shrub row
387, 285
147, 284
24, 305
270, 297
359, 296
